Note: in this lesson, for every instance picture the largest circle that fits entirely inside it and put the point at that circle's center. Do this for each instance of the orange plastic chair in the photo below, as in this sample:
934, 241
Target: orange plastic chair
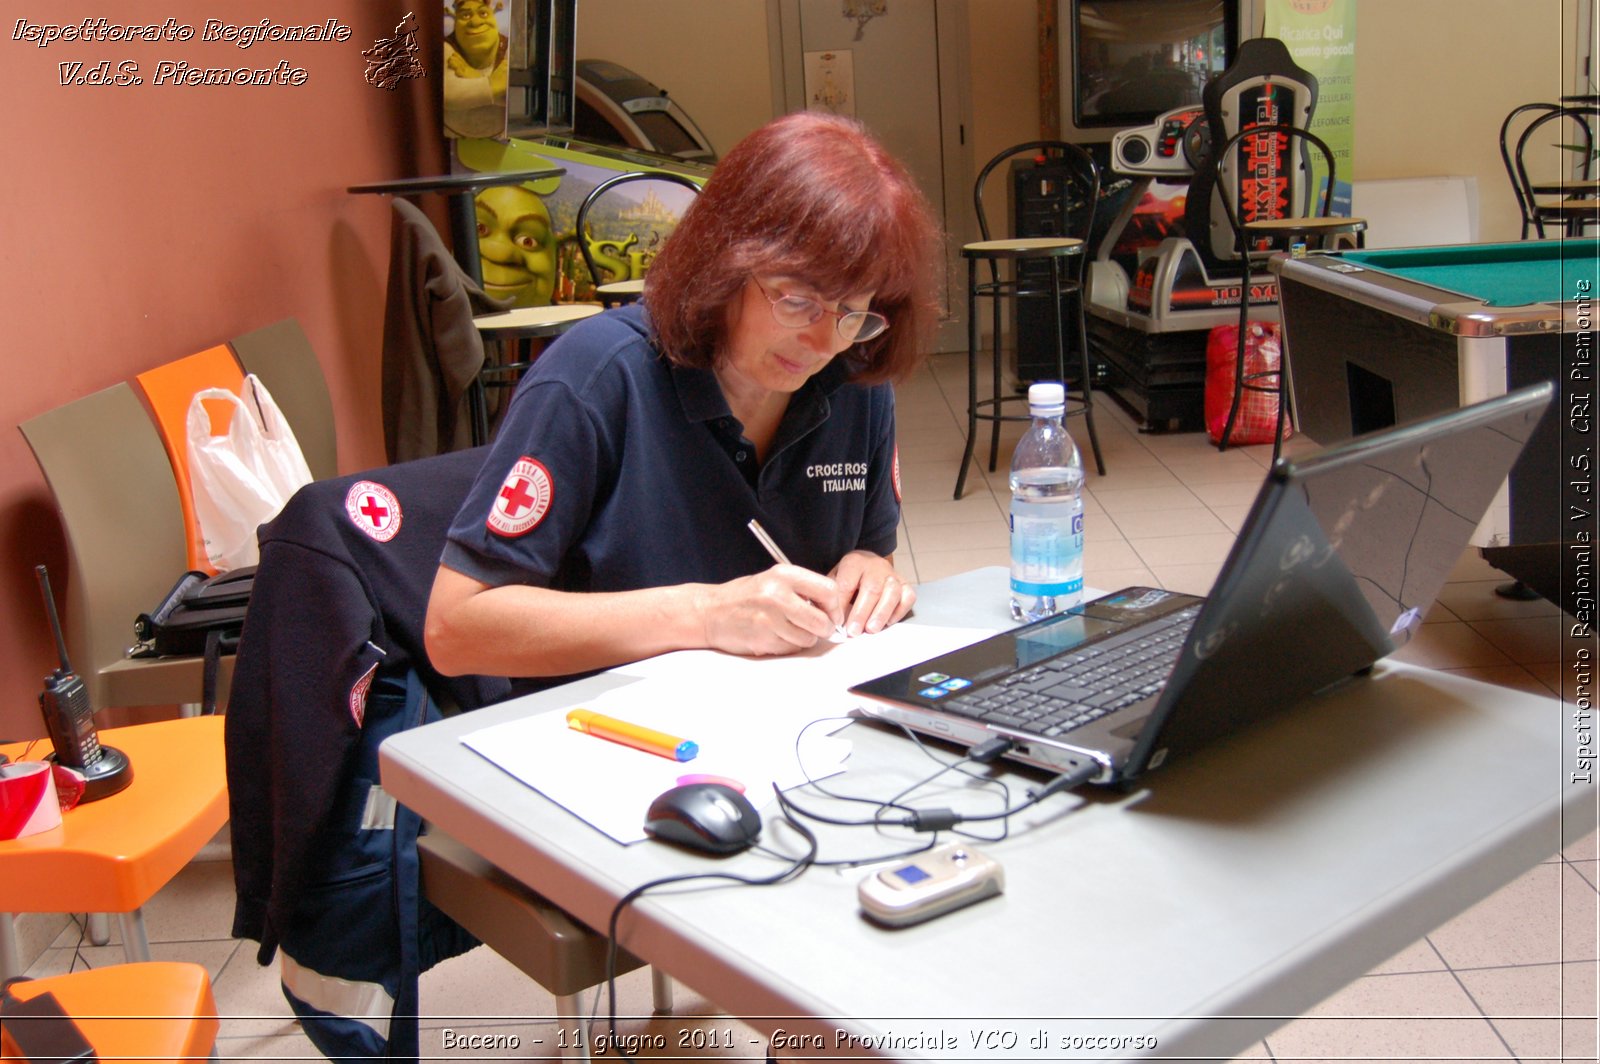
160, 1010
168, 390
112, 855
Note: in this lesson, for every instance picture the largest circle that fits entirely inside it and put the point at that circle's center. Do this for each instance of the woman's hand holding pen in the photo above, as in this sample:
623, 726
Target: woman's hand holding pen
877, 594
779, 611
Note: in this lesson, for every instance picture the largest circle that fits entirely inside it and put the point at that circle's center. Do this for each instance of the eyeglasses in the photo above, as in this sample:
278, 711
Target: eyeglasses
797, 312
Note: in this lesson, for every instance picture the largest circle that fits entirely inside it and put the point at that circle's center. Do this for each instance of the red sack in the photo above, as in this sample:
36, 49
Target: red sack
1258, 411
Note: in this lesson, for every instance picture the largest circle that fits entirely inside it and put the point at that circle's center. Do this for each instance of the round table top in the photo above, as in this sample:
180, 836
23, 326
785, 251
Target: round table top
537, 321
1024, 247
466, 181
1305, 225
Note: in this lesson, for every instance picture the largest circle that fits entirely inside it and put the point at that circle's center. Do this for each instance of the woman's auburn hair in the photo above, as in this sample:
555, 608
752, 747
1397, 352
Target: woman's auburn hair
815, 198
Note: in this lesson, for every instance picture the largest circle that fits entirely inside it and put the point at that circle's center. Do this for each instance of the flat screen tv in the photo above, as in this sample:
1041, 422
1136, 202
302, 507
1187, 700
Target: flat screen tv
1136, 59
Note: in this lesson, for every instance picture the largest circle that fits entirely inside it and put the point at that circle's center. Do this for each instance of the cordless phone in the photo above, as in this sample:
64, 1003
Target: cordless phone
70, 718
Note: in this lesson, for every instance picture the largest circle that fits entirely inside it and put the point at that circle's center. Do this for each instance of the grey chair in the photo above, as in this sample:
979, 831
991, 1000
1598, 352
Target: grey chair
282, 358
118, 502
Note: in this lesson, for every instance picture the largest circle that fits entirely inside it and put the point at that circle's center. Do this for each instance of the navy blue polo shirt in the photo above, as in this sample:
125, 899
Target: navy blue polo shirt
615, 470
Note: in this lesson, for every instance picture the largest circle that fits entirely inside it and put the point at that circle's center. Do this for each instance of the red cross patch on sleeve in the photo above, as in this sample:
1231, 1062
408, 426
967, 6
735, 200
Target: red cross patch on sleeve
358, 695
374, 509
523, 499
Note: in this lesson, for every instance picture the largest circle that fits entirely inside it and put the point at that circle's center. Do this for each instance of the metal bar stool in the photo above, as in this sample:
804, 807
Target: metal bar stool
508, 331
1065, 258
1265, 230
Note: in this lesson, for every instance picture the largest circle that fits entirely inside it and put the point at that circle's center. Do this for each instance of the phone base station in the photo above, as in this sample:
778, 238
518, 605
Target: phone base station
105, 775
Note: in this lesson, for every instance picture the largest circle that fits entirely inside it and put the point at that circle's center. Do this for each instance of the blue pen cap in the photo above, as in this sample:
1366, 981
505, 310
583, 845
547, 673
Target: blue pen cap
686, 750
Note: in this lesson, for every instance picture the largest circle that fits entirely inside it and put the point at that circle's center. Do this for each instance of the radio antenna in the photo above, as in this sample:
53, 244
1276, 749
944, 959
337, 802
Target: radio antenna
55, 621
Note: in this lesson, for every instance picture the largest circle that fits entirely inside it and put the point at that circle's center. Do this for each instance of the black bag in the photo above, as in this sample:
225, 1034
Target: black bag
39, 1029
196, 606
200, 615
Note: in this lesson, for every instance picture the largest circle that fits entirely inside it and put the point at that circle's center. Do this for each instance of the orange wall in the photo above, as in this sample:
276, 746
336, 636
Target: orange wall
146, 222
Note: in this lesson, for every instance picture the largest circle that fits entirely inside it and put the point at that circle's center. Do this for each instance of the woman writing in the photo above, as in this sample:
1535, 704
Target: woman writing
609, 522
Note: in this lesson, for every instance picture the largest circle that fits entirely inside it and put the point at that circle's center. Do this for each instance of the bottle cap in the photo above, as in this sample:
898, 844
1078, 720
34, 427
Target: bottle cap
1047, 398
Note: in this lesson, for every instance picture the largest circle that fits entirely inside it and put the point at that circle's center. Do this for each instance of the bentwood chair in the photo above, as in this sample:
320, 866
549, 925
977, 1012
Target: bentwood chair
1557, 138
1268, 202
1047, 267
621, 233
1510, 129
444, 341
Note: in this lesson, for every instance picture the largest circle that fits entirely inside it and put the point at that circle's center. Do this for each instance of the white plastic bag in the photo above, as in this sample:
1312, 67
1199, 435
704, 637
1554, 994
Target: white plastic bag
242, 479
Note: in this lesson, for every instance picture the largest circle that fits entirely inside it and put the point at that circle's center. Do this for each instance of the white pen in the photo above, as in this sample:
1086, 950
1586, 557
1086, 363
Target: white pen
783, 559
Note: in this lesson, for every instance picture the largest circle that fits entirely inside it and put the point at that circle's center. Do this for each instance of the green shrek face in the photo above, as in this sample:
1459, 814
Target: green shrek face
517, 245
475, 33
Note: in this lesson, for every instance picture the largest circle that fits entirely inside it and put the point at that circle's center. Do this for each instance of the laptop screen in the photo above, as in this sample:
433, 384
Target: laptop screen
1340, 558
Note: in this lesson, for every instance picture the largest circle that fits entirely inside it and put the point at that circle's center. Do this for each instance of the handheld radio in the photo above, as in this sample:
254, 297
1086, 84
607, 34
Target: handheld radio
70, 718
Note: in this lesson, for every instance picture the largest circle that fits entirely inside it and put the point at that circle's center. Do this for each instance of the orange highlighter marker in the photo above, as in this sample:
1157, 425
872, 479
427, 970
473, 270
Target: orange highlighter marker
640, 738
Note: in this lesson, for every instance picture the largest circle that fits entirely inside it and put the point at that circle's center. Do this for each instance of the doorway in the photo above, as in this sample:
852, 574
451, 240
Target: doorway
900, 67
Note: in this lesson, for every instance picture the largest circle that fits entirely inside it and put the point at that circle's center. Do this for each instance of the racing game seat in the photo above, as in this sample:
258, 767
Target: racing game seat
1264, 86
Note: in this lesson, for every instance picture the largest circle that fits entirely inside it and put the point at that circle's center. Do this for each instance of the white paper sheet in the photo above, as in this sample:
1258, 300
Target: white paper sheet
825, 668
745, 714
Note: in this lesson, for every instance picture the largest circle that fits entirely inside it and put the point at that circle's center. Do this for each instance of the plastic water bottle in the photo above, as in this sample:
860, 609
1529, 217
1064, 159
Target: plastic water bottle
1046, 511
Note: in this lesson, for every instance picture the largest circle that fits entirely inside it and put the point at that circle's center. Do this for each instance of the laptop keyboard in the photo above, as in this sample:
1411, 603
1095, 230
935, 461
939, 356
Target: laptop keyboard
1069, 691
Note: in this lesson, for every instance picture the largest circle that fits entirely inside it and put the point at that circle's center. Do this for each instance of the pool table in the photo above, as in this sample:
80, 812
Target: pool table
1381, 337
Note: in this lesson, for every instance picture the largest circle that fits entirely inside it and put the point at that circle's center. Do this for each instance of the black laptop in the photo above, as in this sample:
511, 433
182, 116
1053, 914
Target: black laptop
1340, 556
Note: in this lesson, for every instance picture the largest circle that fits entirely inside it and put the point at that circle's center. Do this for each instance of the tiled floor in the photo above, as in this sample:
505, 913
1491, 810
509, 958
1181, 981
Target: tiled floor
1492, 984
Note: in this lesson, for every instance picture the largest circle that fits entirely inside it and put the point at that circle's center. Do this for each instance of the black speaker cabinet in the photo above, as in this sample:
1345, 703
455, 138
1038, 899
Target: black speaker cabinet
1042, 202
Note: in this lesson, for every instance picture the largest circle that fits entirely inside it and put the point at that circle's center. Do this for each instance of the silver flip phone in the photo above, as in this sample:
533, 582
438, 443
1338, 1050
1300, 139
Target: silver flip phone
929, 884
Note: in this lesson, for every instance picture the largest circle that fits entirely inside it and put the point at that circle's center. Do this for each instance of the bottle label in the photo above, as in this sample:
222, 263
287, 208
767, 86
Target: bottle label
1046, 550
1028, 587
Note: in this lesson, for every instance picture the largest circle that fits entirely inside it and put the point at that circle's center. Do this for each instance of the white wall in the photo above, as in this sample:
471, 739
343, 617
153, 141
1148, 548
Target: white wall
1434, 78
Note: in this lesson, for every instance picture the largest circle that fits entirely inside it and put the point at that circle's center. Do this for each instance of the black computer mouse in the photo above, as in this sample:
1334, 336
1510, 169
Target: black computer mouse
709, 817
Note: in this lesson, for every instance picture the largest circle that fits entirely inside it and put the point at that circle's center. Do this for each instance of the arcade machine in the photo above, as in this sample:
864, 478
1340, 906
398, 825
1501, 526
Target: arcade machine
1161, 278
618, 107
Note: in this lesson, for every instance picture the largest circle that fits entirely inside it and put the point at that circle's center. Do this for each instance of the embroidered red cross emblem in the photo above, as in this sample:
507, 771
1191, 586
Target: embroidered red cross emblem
375, 513
523, 499
516, 497
374, 509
